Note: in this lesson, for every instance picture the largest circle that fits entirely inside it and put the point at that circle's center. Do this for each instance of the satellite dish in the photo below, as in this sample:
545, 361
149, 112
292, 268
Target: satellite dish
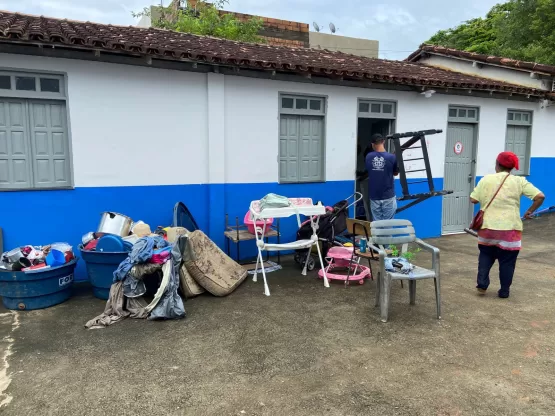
332, 28
316, 27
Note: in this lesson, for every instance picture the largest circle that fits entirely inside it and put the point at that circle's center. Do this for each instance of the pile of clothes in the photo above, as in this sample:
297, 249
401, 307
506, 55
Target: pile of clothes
151, 271
159, 265
29, 257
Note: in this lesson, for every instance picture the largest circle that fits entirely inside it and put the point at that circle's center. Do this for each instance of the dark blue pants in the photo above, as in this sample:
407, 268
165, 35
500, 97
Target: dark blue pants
507, 263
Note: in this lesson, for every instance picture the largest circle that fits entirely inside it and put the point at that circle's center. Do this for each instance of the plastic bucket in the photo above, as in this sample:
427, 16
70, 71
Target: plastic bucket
55, 258
101, 266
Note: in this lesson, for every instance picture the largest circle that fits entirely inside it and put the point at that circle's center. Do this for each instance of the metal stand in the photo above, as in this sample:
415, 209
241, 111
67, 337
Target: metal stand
238, 233
418, 138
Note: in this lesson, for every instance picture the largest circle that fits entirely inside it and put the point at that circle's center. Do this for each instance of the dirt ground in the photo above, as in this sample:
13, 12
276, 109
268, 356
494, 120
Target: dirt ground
305, 350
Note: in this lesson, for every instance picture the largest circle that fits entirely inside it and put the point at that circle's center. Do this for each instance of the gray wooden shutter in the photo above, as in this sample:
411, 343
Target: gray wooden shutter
517, 142
49, 143
311, 149
288, 148
15, 169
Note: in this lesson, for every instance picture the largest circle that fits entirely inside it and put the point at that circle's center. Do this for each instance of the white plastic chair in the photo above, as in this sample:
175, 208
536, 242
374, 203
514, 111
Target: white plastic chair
401, 232
298, 207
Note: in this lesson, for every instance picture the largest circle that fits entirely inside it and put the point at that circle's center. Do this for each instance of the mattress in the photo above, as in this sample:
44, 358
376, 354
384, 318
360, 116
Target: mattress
189, 287
212, 268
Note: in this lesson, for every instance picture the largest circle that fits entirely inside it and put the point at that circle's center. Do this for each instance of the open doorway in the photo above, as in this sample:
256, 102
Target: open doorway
373, 117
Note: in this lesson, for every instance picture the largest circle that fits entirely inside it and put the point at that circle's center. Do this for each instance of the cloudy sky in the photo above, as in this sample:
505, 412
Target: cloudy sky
399, 25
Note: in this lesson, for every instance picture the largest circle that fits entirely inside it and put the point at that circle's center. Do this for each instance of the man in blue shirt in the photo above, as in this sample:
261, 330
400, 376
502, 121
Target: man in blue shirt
381, 167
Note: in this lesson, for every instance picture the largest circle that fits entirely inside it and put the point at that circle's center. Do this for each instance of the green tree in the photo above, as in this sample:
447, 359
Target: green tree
518, 29
206, 19
528, 31
476, 35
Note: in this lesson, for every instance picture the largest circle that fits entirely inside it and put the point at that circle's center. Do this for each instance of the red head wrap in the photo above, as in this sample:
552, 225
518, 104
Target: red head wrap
508, 160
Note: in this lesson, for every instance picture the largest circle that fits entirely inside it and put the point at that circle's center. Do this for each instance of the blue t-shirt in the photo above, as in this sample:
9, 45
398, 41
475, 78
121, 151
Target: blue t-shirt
381, 166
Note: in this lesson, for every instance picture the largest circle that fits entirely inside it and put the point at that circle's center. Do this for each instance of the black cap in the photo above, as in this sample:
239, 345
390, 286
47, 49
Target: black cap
377, 138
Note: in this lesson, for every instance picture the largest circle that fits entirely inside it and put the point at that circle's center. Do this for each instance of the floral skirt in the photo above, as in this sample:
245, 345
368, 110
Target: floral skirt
506, 240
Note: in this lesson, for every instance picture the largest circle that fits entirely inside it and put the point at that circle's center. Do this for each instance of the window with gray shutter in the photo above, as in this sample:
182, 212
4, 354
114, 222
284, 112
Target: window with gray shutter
377, 109
34, 142
463, 114
301, 139
517, 139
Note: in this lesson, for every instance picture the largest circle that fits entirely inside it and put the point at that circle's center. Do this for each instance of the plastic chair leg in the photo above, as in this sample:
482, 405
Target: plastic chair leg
378, 289
412, 291
438, 297
384, 297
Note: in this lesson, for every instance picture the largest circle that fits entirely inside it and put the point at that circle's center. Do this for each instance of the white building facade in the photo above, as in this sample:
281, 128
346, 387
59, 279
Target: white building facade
137, 139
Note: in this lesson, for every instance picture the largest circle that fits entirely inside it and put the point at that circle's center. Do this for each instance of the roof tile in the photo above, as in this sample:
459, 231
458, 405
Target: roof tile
22, 28
487, 59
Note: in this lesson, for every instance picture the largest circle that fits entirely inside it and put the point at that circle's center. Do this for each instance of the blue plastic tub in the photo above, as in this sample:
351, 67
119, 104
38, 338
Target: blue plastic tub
37, 289
100, 269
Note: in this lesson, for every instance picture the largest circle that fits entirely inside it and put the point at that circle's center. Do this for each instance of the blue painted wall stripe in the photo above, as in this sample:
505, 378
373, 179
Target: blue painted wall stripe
43, 217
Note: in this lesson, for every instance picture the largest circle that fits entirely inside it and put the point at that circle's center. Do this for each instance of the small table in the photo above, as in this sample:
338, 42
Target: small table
238, 233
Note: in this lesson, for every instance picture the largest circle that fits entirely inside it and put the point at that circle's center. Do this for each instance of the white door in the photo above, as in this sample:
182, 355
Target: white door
458, 177
517, 142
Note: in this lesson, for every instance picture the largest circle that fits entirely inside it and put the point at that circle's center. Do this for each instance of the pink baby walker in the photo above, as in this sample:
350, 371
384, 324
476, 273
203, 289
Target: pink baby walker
341, 258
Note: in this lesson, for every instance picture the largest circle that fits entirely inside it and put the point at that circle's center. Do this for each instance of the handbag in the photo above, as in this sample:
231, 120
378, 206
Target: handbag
478, 219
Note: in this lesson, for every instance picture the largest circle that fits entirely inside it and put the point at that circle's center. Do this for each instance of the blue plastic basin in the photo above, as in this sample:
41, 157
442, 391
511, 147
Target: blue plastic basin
101, 266
37, 289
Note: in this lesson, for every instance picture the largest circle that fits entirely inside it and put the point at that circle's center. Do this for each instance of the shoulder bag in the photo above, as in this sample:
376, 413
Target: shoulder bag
478, 219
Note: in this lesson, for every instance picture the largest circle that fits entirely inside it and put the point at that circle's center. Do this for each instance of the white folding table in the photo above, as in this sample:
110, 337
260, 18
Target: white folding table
298, 207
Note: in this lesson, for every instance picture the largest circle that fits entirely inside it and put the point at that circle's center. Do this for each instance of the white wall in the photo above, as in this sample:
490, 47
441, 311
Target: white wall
252, 123
512, 76
416, 111
125, 119
252, 133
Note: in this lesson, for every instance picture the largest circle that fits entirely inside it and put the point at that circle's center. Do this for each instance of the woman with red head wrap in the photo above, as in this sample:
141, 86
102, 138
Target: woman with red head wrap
500, 237
508, 160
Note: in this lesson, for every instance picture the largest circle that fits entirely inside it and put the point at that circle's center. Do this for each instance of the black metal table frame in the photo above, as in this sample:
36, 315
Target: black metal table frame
237, 228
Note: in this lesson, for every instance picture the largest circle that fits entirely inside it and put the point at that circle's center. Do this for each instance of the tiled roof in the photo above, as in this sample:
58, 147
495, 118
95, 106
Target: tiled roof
487, 59
157, 43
